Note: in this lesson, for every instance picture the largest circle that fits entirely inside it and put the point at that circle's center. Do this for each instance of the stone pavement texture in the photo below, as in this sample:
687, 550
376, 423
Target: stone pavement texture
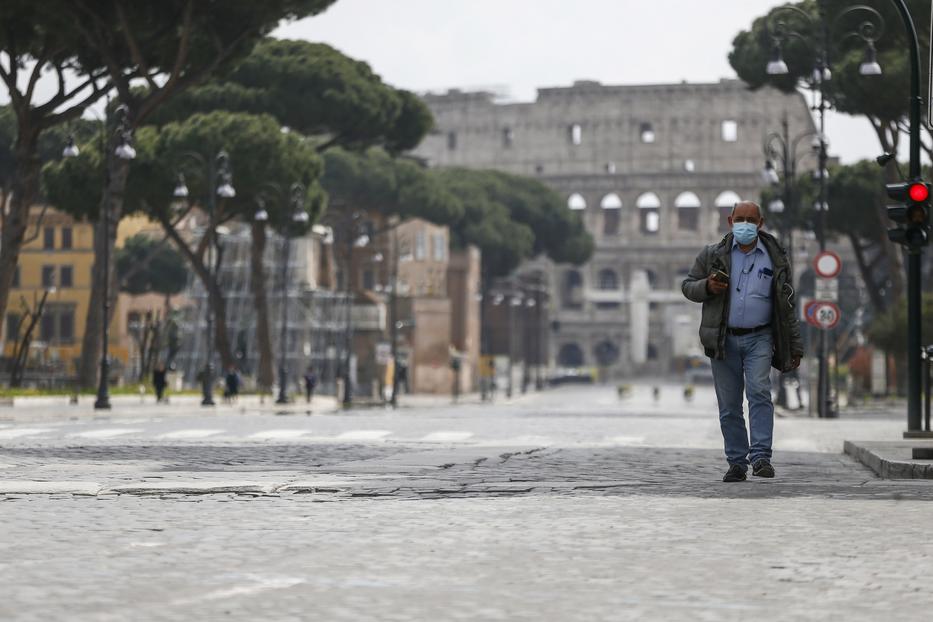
569, 505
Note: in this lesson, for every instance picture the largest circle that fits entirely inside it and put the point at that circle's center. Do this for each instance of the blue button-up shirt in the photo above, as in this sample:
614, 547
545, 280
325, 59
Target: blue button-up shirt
750, 287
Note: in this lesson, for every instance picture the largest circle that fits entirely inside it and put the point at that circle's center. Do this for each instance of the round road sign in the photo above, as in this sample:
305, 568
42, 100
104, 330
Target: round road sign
826, 315
827, 264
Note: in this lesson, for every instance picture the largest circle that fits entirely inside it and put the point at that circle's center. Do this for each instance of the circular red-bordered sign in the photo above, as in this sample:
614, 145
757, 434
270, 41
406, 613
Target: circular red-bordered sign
826, 315
827, 264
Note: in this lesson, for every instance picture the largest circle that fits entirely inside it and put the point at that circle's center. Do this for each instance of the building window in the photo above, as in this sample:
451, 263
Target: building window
47, 327
724, 204
649, 213
420, 245
612, 210
66, 237
369, 279
607, 280
440, 247
575, 134
48, 276
66, 277
66, 326
572, 292
730, 131
48, 238
688, 211
576, 202
646, 132
690, 166
12, 327
16, 277
451, 141
508, 137
611, 168
652, 278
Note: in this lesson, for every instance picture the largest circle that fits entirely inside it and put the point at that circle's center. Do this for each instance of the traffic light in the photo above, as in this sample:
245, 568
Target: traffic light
912, 211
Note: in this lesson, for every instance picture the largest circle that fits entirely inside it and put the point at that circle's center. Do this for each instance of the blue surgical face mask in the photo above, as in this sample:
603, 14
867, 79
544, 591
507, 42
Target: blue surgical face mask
744, 232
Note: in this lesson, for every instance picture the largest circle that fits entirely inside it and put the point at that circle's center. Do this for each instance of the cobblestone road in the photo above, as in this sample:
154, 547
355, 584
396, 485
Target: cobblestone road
544, 509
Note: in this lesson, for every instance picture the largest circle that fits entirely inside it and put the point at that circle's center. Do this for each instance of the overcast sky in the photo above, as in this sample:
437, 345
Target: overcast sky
515, 46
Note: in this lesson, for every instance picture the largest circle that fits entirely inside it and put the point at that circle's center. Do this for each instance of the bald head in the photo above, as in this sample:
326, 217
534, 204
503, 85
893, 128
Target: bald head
747, 208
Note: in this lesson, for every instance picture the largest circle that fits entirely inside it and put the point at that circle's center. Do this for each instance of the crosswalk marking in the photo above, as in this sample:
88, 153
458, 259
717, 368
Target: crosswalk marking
106, 433
627, 440
444, 436
278, 434
193, 433
363, 435
18, 432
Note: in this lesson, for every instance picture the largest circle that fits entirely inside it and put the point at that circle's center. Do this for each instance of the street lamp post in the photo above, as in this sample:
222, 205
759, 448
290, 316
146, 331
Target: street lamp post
514, 300
780, 148
393, 317
530, 303
298, 218
123, 137
869, 31
220, 184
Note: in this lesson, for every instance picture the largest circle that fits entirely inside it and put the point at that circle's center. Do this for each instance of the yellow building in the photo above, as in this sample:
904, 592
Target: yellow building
58, 258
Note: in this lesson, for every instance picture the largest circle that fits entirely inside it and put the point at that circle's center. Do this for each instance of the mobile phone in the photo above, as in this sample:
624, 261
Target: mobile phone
721, 276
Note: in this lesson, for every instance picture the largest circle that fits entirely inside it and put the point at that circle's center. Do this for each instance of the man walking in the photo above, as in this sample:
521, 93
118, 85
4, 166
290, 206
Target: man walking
749, 323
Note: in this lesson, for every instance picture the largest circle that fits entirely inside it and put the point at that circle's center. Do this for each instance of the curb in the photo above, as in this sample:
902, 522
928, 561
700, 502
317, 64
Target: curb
891, 460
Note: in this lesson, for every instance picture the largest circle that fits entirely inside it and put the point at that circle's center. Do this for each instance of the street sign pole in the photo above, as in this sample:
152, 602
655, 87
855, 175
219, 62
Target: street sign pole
827, 266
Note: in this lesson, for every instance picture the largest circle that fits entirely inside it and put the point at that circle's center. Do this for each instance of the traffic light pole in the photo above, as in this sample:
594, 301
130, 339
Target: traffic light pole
914, 334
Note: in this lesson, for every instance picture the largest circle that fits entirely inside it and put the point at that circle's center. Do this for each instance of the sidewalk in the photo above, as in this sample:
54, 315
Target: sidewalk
893, 459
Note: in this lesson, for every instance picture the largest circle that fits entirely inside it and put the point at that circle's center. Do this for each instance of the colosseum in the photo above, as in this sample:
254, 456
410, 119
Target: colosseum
653, 169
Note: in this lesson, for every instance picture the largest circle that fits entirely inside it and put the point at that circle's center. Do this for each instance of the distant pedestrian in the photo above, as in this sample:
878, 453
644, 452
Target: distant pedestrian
310, 379
232, 385
749, 323
159, 381
403, 377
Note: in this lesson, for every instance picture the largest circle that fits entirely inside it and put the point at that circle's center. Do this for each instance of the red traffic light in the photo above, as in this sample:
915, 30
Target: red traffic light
918, 192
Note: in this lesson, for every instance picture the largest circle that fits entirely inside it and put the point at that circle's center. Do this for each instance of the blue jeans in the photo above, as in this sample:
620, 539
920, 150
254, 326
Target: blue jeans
747, 365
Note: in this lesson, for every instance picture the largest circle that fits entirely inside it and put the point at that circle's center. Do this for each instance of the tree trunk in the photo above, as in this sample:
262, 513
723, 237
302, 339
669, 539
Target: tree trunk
261, 304
214, 294
877, 300
24, 190
104, 241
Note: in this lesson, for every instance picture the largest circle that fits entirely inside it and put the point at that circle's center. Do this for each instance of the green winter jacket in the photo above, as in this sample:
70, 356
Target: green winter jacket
784, 325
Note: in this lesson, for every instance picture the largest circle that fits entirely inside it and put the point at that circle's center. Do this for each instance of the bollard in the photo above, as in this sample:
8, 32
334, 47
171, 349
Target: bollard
928, 386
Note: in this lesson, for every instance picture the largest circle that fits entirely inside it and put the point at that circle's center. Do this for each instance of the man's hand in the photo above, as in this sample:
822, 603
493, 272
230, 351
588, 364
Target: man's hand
714, 286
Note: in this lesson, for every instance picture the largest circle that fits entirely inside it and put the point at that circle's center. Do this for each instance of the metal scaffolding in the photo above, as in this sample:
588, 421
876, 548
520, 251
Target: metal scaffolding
316, 318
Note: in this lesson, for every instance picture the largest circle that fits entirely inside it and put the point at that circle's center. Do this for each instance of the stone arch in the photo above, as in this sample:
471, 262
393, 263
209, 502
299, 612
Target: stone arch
724, 203
606, 353
649, 213
611, 201
576, 201
688, 211
570, 355
611, 206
